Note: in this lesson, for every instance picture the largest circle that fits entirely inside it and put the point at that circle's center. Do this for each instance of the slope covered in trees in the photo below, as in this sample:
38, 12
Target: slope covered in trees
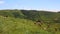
29, 22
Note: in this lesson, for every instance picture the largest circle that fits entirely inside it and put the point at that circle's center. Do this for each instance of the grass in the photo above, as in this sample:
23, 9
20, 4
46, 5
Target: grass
22, 25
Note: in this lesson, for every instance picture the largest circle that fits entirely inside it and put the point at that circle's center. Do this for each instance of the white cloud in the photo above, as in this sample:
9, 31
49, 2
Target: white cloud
2, 2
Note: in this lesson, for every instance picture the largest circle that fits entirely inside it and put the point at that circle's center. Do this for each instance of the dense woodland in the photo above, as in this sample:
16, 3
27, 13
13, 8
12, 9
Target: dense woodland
29, 22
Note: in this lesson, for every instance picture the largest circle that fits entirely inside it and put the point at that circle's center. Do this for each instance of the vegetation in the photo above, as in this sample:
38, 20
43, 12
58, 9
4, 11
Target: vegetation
29, 22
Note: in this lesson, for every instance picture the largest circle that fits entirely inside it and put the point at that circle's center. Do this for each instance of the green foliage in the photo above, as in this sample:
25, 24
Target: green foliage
22, 22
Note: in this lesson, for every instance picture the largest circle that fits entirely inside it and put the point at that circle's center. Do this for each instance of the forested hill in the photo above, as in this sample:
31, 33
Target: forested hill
29, 22
31, 14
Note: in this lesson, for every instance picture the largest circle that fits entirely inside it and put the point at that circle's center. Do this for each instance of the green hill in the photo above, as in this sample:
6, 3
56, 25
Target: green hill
26, 22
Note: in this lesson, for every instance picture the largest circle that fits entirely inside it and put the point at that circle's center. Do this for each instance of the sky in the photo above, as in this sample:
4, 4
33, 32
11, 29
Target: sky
30, 4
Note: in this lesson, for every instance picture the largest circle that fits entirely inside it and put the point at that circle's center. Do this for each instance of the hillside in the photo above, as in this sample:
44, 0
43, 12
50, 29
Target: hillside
25, 22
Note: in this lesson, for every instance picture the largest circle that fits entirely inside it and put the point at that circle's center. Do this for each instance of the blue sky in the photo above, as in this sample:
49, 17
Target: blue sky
30, 4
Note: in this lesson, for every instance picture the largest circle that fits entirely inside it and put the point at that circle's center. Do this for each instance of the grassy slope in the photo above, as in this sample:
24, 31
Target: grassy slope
22, 22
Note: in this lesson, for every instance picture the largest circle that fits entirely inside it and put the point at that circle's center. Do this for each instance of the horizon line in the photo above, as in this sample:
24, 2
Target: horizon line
34, 9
